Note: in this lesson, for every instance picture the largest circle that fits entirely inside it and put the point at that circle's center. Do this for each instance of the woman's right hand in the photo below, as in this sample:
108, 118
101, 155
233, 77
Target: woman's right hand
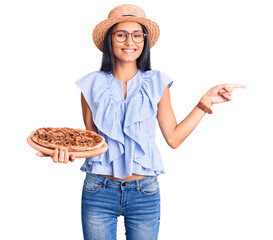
60, 156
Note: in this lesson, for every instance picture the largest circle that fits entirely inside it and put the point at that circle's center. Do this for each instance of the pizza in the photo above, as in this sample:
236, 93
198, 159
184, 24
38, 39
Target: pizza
75, 140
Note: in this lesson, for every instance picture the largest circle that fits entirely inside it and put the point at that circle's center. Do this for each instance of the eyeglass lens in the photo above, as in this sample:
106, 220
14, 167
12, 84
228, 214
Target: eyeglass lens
122, 36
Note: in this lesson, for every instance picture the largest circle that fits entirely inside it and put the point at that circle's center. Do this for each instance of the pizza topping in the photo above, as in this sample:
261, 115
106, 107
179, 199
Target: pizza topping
72, 139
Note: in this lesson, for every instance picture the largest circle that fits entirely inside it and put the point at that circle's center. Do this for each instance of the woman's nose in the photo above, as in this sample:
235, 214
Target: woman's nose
129, 40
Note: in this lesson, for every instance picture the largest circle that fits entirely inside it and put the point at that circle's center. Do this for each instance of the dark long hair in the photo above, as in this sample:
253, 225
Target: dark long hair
108, 57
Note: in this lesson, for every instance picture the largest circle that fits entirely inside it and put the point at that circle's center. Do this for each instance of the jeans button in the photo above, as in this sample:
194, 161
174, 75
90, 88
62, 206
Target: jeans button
123, 184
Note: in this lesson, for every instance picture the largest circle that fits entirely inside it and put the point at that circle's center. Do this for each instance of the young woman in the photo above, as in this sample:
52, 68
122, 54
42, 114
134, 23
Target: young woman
121, 102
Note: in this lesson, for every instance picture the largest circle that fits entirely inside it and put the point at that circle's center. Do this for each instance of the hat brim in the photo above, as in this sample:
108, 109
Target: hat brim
101, 29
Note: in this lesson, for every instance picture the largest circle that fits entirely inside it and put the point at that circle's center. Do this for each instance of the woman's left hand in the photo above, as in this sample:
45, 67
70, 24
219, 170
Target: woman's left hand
220, 93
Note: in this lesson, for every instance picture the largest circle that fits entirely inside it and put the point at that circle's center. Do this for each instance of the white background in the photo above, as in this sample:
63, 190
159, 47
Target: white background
218, 183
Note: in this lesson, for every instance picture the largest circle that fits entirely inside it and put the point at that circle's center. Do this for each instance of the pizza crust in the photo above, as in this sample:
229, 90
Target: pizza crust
81, 154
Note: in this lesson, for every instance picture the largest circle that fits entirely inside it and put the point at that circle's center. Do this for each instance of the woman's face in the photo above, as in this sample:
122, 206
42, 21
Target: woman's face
127, 51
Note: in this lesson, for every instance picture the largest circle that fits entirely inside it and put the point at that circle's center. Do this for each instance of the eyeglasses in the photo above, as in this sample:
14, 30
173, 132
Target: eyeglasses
137, 36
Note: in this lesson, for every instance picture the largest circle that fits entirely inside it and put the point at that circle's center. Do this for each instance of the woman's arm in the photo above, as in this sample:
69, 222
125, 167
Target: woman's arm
175, 133
87, 116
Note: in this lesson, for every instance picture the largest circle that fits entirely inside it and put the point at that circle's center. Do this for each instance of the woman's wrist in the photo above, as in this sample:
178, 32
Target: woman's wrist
206, 100
204, 104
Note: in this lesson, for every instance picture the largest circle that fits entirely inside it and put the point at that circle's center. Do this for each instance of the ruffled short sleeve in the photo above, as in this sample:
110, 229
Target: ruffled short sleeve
155, 83
91, 86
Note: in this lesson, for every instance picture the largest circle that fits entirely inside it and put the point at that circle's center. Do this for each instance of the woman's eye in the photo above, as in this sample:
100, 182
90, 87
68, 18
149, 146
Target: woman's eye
121, 35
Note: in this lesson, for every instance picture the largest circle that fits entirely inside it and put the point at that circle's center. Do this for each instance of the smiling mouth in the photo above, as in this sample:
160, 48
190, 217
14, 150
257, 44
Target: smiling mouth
129, 51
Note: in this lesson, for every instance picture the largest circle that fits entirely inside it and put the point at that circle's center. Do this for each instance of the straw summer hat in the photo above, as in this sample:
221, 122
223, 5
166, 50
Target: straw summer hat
125, 13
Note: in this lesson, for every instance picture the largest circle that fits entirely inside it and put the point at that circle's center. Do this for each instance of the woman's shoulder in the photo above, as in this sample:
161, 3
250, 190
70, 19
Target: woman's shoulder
155, 74
150, 72
157, 77
95, 77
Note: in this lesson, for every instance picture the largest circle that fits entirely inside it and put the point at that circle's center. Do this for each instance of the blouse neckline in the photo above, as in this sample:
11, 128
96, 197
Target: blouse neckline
118, 84
127, 80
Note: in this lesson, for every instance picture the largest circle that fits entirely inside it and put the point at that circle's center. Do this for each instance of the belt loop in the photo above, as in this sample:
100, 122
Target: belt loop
104, 182
137, 185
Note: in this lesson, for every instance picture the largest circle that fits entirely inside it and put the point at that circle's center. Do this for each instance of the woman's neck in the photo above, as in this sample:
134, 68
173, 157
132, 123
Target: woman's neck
125, 71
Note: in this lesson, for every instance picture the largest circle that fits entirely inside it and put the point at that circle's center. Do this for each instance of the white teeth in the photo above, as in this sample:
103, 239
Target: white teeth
129, 51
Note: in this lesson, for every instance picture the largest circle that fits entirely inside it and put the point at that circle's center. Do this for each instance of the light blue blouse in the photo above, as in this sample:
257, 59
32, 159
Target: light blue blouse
128, 125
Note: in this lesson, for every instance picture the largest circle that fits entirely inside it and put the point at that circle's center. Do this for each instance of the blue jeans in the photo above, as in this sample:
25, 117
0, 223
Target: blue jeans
104, 199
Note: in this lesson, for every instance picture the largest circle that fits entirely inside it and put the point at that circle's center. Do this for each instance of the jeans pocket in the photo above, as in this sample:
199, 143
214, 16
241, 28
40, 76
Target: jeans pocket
91, 186
150, 188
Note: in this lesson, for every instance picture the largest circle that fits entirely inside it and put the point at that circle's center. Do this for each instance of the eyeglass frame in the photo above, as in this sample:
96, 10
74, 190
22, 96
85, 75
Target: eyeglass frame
127, 35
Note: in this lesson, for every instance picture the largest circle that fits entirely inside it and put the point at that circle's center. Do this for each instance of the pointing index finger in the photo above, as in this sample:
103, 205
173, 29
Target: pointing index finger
236, 86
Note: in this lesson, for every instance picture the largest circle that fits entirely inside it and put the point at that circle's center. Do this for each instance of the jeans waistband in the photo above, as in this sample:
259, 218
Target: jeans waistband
105, 181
